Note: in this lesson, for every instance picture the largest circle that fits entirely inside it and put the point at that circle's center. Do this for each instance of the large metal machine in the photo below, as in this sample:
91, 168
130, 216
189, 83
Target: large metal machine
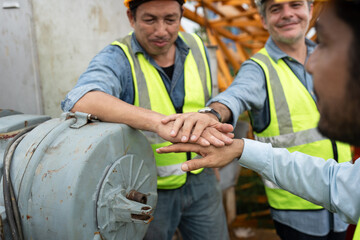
74, 178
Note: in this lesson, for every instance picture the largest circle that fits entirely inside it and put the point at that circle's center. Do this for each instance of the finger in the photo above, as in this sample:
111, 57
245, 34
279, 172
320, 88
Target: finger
176, 127
211, 139
203, 142
224, 127
187, 128
194, 164
169, 118
180, 147
230, 135
220, 136
198, 130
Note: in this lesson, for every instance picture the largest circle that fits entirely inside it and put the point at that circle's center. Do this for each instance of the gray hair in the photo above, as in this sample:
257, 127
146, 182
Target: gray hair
261, 6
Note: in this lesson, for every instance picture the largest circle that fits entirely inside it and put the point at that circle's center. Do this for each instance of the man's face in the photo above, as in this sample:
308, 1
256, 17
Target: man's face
287, 22
156, 25
337, 92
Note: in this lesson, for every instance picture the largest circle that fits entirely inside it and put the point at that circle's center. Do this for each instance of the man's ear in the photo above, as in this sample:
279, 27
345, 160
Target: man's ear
311, 7
130, 17
263, 21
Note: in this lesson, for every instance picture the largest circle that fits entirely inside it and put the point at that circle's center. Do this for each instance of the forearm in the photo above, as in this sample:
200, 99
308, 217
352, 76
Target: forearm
111, 109
326, 183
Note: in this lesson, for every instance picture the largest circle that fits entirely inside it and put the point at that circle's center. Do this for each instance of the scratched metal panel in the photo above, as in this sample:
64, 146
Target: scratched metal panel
19, 82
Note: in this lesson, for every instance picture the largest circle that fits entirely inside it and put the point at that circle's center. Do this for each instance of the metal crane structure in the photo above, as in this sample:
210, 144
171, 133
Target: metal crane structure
235, 28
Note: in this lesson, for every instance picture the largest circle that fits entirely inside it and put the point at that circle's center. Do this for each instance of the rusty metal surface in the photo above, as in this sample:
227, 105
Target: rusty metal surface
16, 122
58, 172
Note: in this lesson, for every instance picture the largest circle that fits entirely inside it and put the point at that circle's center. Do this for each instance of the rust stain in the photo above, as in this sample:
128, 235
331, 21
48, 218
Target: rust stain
26, 123
126, 150
28, 217
53, 149
49, 172
38, 169
7, 136
61, 201
31, 150
88, 148
44, 176
98, 233
114, 170
55, 170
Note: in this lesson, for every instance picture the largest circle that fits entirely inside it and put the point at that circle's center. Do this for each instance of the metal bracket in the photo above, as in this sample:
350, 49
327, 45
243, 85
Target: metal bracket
81, 118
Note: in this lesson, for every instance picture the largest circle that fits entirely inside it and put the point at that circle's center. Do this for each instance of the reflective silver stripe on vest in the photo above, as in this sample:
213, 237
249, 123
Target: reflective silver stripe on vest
166, 171
281, 105
293, 139
144, 100
189, 39
153, 138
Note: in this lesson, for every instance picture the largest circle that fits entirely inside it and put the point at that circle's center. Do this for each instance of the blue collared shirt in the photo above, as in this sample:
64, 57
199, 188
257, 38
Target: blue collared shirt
248, 92
331, 184
110, 72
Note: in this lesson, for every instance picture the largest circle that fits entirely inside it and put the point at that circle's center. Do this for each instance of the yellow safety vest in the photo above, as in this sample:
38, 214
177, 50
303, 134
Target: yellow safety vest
293, 125
150, 93
357, 232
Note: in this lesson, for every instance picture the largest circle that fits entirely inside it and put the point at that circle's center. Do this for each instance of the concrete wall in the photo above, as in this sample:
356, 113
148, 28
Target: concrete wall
61, 39
19, 76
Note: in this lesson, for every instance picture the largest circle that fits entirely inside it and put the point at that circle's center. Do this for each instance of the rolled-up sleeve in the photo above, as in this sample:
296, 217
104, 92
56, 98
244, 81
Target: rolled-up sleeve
247, 91
326, 183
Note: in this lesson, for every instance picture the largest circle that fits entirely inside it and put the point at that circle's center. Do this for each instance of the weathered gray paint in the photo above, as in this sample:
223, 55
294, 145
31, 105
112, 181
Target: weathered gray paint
74, 183
46, 44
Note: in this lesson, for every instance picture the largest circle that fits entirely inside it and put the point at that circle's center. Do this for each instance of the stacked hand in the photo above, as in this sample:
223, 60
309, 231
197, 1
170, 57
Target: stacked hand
212, 157
204, 135
199, 128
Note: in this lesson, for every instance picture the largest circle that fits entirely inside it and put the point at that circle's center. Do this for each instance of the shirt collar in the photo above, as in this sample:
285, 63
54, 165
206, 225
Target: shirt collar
276, 54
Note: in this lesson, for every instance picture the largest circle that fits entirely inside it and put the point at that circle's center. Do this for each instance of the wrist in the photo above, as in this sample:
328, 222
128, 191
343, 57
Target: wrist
211, 111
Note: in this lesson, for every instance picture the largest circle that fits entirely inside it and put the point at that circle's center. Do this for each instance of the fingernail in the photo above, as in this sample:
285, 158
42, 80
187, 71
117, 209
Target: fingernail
172, 132
185, 167
183, 139
193, 137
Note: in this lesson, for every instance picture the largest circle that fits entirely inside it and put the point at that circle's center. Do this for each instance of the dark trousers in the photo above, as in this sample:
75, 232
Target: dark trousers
288, 233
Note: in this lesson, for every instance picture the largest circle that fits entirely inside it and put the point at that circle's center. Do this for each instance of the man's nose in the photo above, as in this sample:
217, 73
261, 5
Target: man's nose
287, 11
160, 29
